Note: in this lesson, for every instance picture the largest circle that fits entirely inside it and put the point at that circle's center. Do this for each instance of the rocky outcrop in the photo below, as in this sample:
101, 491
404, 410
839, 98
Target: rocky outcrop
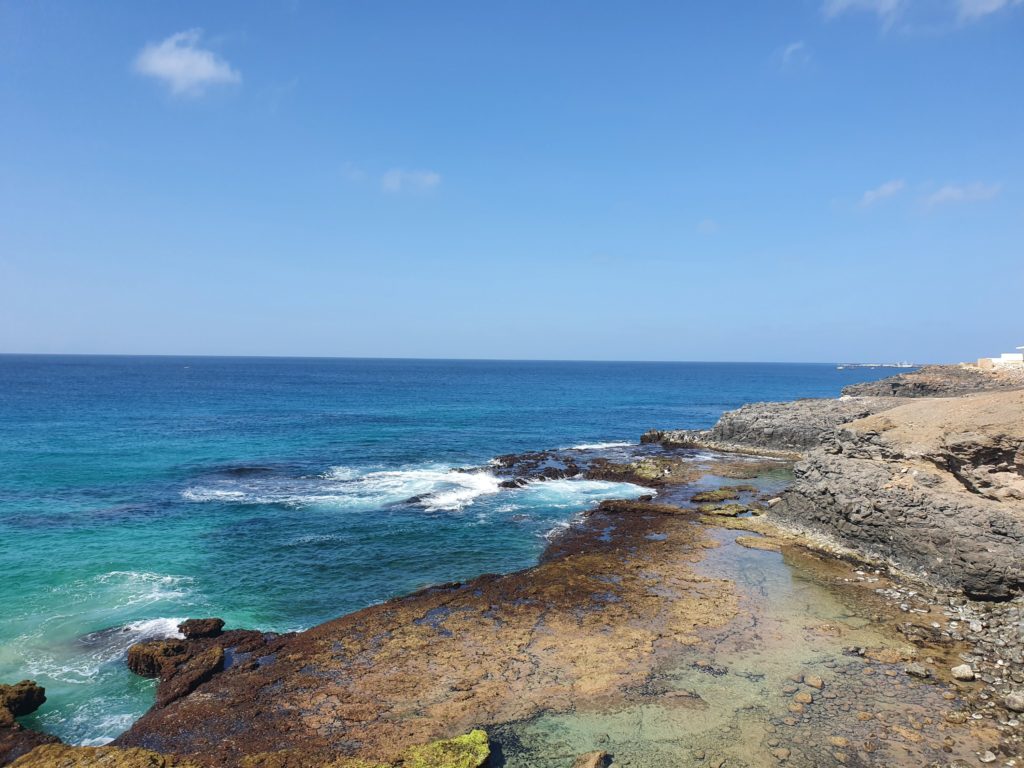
586, 627
936, 381
197, 628
184, 665
19, 700
650, 471
784, 429
935, 487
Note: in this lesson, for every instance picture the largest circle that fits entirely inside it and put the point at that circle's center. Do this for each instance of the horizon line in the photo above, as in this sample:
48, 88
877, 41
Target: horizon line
447, 359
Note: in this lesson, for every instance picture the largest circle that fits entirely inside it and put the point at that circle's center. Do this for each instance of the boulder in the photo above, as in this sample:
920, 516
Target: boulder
149, 659
22, 698
196, 628
1014, 701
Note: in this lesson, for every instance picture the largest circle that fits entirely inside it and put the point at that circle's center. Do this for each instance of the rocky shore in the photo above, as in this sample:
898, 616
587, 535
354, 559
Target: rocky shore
863, 610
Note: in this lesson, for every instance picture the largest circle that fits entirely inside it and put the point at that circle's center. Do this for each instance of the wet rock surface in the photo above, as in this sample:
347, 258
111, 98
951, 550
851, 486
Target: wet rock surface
583, 628
182, 665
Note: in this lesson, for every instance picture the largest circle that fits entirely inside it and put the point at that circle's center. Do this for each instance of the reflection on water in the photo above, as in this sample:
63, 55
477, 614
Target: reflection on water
779, 685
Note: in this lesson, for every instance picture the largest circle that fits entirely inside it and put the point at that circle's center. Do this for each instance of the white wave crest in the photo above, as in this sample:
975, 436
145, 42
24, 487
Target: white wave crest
600, 446
134, 588
435, 487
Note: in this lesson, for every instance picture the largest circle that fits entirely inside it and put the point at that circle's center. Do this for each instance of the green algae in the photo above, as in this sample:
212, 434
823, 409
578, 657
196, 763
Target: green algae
470, 750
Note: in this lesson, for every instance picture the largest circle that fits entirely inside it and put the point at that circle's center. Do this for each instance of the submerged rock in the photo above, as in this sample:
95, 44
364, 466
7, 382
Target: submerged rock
597, 759
916, 669
962, 672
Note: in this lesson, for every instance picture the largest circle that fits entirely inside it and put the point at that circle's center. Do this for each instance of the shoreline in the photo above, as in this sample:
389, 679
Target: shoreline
569, 576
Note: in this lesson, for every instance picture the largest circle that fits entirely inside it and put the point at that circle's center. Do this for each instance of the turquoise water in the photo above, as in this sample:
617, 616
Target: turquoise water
277, 493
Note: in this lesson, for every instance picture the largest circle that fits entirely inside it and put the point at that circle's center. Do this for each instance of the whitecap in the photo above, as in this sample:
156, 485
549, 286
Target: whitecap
600, 446
434, 487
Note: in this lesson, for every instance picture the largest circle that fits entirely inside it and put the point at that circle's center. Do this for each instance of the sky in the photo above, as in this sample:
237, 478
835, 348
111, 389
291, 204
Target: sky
803, 180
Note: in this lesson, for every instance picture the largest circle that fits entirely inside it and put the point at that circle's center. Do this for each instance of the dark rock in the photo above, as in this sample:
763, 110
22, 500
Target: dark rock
16, 741
196, 671
784, 429
195, 628
148, 659
21, 698
932, 381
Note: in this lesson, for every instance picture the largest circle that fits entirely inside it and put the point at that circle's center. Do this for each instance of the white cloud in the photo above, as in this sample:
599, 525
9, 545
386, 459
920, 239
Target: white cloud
975, 9
886, 10
795, 54
962, 193
183, 66
881, 192
889, 11
399, 180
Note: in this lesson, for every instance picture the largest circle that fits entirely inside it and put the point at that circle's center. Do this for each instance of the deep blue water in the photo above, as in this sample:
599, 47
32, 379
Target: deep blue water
135, 491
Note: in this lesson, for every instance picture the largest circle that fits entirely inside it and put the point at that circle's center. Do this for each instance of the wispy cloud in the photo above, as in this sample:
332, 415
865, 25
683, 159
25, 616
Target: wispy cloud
883, 191
962, 193
969, 10
183, 66
886, 10
794, 55
400, 180
891, 11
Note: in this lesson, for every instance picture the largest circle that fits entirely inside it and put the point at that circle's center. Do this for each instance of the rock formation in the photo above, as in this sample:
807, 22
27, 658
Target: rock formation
18, 700
937, 381
935, 486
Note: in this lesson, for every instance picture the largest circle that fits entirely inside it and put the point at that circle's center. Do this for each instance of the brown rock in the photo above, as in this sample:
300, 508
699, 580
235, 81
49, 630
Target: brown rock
803, 697
21, 698
814, 681
149, 659
196, 671
195, 628
593, 760
63, 756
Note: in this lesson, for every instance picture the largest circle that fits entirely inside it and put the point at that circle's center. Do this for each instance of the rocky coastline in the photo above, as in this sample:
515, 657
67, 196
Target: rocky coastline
905, 505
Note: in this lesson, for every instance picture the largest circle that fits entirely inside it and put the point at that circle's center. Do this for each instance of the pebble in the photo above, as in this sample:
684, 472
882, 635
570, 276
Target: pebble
1014, 701
914, 669
963, 672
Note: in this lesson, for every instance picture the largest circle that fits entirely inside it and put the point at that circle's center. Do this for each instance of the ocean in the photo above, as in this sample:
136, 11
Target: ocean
277, 493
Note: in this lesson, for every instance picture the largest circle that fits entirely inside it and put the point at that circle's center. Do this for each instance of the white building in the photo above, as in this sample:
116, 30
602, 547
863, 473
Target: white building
1005, 360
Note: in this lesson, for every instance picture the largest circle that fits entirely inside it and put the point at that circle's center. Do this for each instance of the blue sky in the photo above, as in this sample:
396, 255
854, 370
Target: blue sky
809, 180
